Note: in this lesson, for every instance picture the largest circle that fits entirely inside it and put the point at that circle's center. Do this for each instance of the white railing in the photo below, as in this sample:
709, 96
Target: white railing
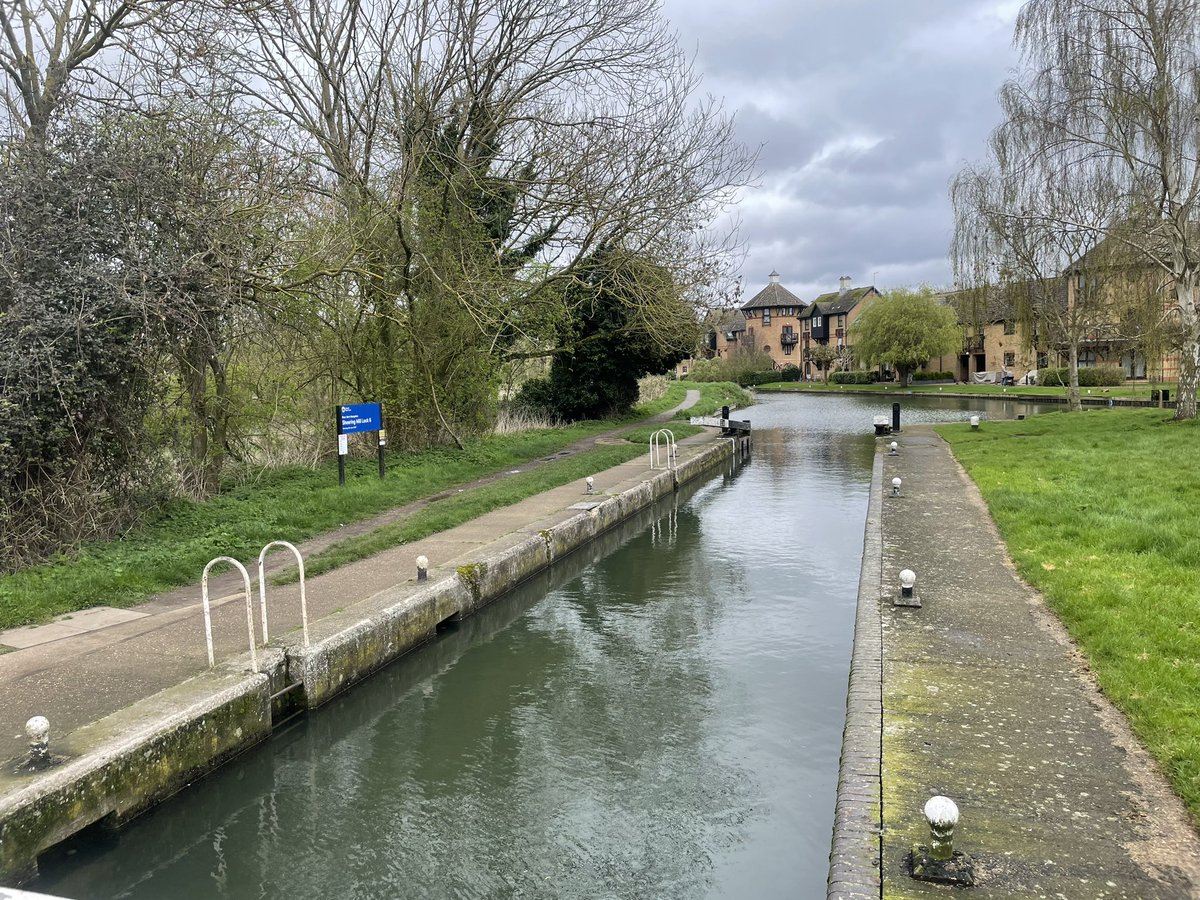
663, 455
262, 587
208, 613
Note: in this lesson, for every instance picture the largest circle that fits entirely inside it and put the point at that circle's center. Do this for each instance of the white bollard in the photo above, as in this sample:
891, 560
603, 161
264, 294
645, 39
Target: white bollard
37, 729
942, 815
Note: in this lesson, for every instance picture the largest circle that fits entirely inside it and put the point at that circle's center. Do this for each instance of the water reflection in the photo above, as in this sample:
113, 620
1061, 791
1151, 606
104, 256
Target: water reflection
662, 719
846, 412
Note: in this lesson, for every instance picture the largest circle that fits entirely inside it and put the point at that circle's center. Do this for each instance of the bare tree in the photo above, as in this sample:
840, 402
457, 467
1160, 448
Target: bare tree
1035, 245
825, 357
479, 149
48, 46
1112, 87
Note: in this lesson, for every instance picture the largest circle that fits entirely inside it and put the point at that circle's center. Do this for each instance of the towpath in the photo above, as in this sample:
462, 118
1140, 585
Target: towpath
980, 696
75, 671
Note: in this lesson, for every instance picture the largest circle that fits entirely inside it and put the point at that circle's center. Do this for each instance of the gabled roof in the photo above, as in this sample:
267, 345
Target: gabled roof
1001, 303
774, 294
728, 321
838, 302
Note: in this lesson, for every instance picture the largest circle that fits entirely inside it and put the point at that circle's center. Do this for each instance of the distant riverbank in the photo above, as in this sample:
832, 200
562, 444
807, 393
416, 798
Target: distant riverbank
1125, 395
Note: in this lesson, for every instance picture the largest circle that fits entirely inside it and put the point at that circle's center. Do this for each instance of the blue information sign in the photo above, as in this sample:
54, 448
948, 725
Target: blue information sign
356, 417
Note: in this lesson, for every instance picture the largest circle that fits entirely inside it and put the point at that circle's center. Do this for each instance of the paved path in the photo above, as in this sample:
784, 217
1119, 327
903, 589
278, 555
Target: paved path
985, 700
80, 676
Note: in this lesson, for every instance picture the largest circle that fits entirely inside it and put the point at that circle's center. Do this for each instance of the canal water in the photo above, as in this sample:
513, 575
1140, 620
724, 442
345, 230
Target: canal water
659, 717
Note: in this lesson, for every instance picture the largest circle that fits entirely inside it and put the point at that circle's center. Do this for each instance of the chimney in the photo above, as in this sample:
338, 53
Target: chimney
843, 284
774, 277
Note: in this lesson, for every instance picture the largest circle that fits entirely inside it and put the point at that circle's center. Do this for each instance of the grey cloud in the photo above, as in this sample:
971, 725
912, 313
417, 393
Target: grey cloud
817, 82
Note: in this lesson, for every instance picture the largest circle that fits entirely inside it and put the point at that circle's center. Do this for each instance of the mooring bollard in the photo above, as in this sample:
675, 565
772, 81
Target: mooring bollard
942, 815
940, 862
908, 590
422, 568
896, 482
975, 422
892, 448
589, 485
37, 729
896, 417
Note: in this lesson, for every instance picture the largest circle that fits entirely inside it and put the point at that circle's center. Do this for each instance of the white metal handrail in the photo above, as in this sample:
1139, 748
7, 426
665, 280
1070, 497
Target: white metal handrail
208, 613
262, 587
668, 447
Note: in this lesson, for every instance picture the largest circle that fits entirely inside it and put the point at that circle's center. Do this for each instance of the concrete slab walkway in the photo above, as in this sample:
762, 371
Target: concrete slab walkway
76, 675
983, 698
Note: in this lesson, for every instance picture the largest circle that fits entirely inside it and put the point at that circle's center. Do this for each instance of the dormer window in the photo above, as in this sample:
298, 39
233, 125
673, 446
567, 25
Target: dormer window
816, 321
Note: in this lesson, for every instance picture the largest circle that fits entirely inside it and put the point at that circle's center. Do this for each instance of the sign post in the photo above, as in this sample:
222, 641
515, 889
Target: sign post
351, 419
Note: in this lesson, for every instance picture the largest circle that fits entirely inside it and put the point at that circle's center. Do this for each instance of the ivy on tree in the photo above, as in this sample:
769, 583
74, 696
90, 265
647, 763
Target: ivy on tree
606, 344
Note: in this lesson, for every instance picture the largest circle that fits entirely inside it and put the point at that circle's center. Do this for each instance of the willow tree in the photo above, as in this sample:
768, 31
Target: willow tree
1112, 87
905, 329
1037, 246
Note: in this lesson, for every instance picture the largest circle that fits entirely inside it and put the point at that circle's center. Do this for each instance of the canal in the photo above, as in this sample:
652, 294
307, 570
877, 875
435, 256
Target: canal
659, 717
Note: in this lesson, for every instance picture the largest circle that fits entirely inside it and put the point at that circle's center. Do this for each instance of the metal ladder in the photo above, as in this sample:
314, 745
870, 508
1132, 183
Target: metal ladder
664, 455
262, 596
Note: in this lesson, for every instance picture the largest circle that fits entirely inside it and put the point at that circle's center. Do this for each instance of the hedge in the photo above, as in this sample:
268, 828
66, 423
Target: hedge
853, 377
933, 376
1089, 376
750, 379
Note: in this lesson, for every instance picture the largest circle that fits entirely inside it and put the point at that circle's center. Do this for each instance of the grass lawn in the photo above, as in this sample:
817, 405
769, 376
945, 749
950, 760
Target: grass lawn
295, 503
1130, 390
1100, 515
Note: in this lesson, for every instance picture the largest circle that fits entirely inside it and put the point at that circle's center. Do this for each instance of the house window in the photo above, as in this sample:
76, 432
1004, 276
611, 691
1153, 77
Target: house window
766, 316
766, 348
1087, 358
1010, 359
685, 370
787, 349
816, 321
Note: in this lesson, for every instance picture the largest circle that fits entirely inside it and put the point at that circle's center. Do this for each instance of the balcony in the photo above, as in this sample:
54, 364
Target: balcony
789, 339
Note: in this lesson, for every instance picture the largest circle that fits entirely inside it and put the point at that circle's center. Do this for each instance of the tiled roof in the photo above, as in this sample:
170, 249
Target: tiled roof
1000, 303
774, 294
838, 302
729, 320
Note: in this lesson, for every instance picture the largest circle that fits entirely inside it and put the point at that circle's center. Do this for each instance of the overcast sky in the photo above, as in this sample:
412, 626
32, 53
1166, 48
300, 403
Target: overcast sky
865, 109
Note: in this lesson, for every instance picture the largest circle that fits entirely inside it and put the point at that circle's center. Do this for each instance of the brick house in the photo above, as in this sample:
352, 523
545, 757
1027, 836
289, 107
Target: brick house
828, 318
772, 323
995, 341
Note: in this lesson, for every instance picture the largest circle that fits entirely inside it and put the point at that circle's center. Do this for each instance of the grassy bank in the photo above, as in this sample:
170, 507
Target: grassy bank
1131, 391
296, 503
1099, 513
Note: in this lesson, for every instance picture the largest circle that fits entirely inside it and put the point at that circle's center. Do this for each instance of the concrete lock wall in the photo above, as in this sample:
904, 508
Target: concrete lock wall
139, 756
